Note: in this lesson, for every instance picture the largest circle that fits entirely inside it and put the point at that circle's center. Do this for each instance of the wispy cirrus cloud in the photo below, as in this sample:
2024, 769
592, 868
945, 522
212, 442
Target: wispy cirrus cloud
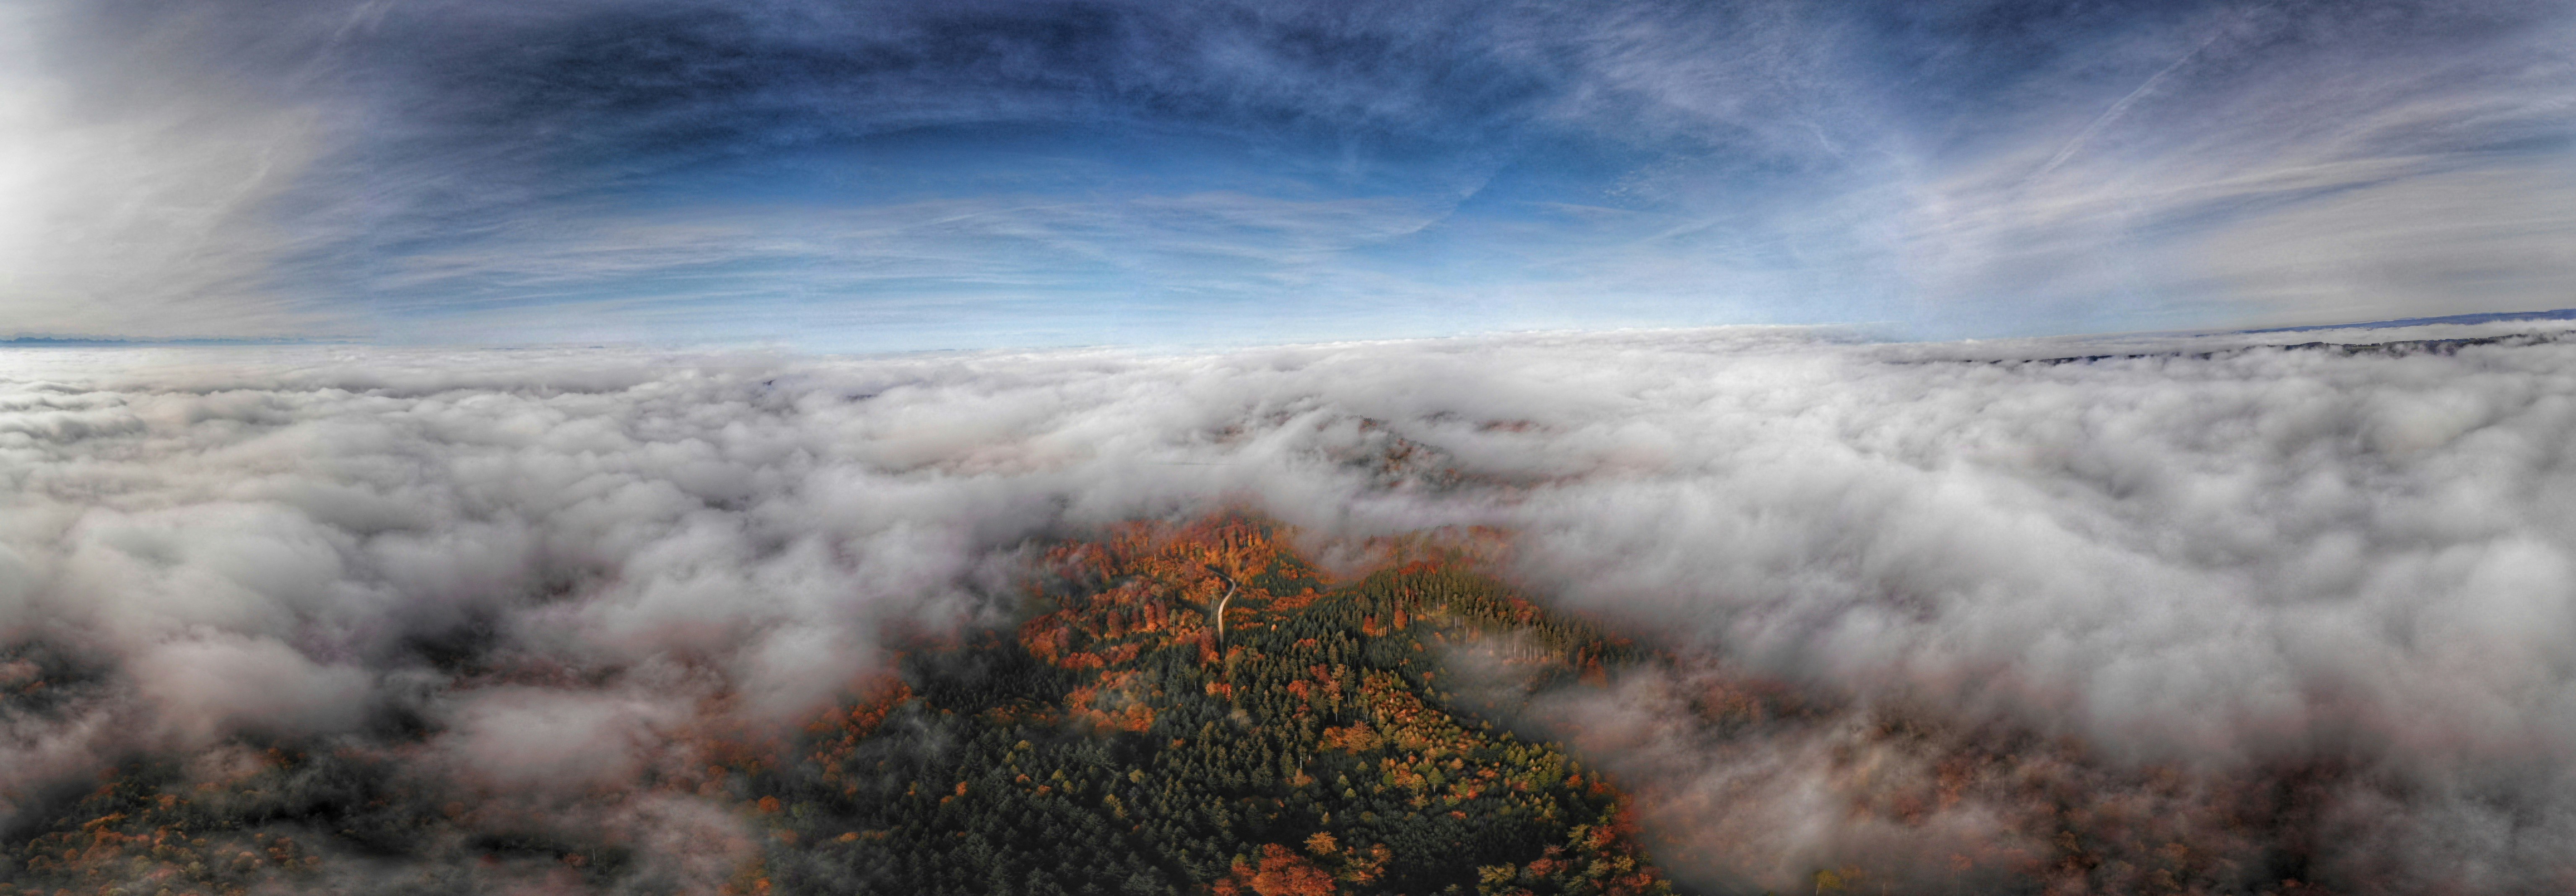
2282, 167
135, 194
382, 169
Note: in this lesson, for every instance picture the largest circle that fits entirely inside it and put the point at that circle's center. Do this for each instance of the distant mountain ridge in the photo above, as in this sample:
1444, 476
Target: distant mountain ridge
2483, 318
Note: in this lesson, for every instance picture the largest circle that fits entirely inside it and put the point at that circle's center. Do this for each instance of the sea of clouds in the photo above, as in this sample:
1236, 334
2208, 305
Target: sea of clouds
2209, 554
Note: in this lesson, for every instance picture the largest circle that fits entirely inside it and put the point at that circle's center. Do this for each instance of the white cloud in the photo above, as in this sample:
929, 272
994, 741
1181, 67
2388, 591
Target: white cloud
2264, 167
133, 205
2224, 557
205, 686
514, 738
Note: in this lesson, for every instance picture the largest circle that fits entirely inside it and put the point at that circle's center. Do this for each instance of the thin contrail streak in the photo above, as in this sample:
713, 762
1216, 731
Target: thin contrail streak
2117, 109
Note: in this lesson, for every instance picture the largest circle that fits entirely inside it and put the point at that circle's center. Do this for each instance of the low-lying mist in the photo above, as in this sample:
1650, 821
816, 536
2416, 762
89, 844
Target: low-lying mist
1925, 605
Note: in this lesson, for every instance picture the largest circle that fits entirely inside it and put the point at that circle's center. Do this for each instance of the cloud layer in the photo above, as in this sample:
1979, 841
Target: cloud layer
2215, 557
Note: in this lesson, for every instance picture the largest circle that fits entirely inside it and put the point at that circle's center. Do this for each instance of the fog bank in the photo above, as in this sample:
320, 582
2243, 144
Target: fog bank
2206, 556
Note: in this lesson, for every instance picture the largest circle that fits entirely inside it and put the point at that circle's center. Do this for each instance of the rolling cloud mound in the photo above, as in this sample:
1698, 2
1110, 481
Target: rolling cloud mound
2344, 575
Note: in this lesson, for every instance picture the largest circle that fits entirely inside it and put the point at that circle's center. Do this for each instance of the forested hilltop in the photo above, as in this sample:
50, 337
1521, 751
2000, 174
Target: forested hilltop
1120, 743
1115, 742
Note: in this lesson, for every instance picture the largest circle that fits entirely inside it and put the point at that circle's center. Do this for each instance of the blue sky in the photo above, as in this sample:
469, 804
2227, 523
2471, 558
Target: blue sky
855, 175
